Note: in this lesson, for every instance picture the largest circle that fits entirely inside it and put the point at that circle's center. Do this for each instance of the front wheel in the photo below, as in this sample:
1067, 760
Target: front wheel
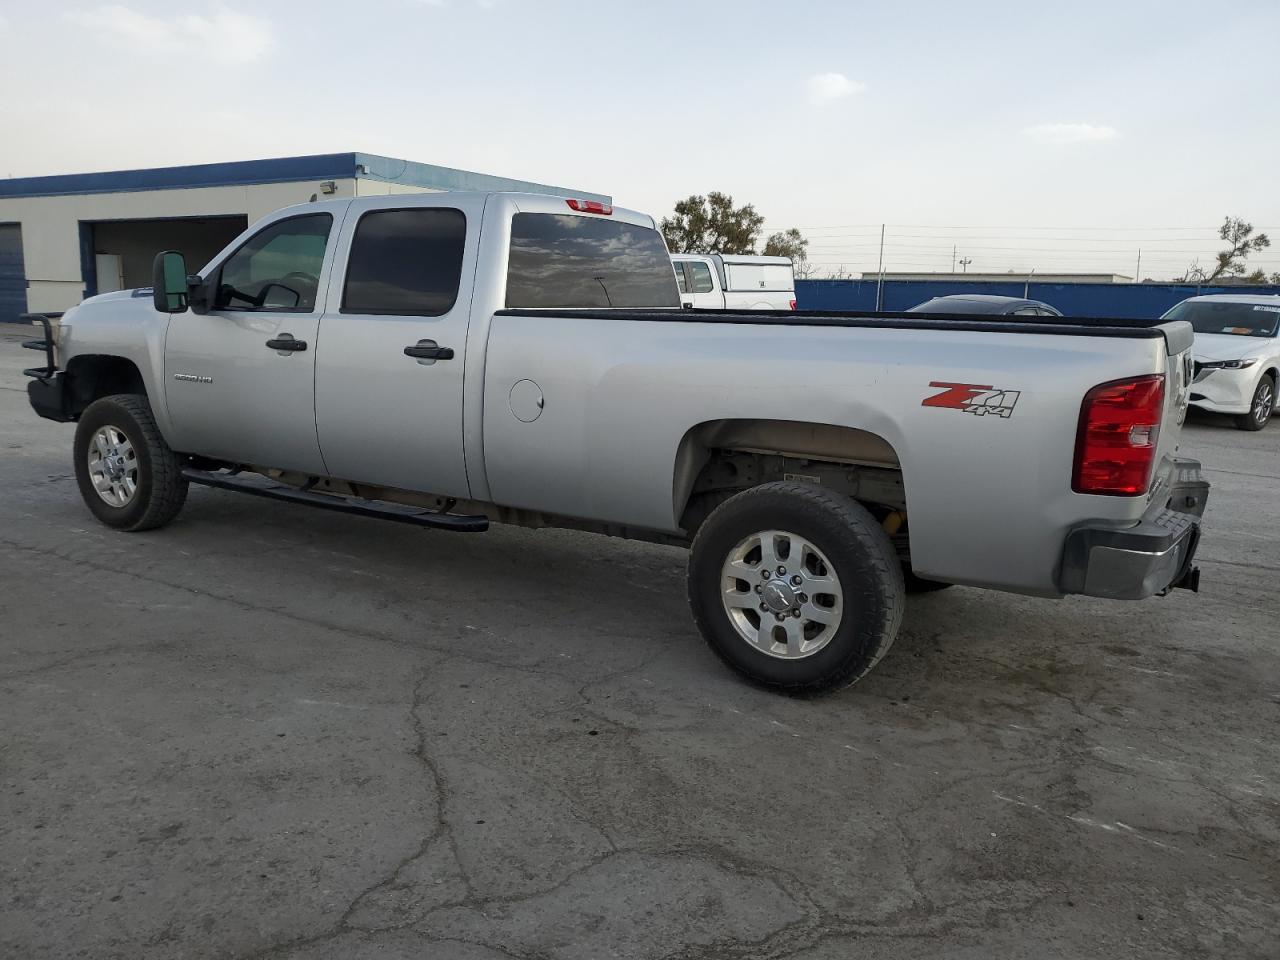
1260, 408
128, 476
795, 587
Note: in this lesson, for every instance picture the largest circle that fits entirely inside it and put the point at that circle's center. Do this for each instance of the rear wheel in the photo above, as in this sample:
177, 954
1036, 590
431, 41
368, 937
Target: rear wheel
128, 476
795, 587
1260, 408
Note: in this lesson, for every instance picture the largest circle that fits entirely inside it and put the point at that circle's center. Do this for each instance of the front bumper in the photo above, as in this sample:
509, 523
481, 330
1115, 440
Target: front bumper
1152, 557
47, 390
48, 396
1225, 391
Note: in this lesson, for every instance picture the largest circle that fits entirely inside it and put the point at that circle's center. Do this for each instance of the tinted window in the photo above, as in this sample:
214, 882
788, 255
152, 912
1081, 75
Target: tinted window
1241, 319
278, 269
406, 262
701, 277
568, 261
959, 304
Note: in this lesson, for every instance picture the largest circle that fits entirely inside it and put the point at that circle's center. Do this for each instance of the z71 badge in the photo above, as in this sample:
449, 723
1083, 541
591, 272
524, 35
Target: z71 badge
974, 398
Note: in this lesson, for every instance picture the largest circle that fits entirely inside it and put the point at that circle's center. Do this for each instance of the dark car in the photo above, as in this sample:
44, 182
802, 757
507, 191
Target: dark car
985, 303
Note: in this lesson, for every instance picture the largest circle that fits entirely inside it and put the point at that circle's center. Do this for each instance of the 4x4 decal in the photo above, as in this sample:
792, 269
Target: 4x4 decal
973, 398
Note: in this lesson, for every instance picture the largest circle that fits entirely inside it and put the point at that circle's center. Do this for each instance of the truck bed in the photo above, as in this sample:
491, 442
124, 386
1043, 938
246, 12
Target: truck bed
631, 397
1066, 326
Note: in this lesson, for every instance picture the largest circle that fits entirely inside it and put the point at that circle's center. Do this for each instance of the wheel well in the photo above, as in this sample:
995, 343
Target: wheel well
722, 457
92, 376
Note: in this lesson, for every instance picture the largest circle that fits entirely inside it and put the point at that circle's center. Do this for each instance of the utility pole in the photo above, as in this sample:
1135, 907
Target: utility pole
880, 272
964, 264
1026, 287
1137, 271
953, 258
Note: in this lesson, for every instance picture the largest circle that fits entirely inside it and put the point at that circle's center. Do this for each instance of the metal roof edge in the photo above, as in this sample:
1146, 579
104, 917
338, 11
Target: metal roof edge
391, 170
324, 166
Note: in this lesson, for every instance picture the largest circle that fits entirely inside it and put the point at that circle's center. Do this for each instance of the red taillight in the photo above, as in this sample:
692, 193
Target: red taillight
1116, 441
793, 304
590, 206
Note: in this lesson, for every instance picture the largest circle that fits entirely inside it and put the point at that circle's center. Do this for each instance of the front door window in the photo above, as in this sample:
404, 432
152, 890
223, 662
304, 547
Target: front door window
278, 268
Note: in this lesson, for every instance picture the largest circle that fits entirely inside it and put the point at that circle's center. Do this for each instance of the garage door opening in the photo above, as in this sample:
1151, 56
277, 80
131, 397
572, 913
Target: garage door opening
119, 253
13, 277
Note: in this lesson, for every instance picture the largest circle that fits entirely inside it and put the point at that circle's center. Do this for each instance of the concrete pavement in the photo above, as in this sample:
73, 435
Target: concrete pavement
272, 732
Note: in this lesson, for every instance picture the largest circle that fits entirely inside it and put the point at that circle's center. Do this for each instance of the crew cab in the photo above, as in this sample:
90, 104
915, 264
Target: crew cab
735, 281
454, 359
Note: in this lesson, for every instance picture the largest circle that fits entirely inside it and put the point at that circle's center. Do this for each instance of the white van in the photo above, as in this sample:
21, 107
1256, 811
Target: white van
735, 281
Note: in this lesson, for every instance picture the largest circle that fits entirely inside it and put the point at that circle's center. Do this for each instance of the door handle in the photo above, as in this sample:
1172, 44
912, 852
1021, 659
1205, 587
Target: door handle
285, 342
428, 350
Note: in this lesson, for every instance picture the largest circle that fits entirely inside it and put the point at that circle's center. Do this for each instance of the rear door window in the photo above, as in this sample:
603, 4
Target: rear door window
702, 282
575, 261
406, 262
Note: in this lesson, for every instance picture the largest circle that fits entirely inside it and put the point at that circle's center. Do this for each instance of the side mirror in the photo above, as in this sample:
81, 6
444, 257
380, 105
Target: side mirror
169, 282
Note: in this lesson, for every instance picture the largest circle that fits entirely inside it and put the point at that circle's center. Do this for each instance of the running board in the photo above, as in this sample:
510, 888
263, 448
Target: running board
260, 486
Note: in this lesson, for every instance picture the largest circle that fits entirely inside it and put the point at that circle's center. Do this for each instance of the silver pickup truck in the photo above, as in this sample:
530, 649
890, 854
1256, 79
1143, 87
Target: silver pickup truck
453, 359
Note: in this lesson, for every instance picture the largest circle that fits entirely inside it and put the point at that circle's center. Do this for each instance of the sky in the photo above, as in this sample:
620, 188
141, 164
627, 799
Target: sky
1026, 136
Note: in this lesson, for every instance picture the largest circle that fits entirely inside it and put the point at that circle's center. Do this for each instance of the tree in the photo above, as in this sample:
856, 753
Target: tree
710, 224
1241, 241
794, 246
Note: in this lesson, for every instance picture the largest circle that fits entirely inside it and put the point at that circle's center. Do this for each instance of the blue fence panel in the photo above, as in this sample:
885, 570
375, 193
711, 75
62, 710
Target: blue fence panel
1119, 300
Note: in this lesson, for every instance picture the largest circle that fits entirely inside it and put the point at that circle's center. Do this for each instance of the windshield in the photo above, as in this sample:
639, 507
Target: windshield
571, 261
1240, 319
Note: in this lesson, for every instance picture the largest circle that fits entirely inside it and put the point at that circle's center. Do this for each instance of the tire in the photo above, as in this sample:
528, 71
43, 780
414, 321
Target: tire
916, 584
1260, 407
858, 608
141, 477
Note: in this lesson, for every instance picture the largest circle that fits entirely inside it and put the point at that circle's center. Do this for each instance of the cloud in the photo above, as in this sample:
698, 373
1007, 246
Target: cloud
825, 87
224, 34
1069, 132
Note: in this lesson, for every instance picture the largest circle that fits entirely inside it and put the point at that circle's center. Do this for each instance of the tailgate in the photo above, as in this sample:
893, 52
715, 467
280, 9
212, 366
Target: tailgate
1179, 338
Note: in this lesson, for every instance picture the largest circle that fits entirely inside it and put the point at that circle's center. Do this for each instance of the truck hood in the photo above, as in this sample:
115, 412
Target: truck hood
1227, 346
120, 295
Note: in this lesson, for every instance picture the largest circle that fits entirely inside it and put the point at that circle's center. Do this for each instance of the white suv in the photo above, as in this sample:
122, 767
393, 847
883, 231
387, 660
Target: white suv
1237, 354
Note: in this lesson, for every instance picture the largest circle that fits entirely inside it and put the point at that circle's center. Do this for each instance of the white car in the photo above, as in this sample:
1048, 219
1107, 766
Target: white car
1237, 354
735, 281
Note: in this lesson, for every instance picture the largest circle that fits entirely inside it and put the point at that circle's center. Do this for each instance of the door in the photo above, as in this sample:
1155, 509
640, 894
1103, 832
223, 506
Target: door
239, 380
13, 277
703, 287
109, 270
392, 342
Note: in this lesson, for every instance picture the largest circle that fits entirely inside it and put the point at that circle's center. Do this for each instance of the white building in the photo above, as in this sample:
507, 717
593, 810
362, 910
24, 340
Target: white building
63, 238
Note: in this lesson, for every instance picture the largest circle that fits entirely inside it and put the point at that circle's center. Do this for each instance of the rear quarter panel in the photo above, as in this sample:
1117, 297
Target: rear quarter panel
989, 497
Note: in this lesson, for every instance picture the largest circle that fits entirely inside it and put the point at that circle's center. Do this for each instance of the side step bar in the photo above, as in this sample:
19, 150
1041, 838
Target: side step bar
260, 486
